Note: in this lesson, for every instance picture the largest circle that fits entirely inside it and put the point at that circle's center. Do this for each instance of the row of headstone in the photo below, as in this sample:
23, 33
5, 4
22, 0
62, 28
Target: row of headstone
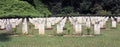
9, 24
76, 24
52, 21
114, 22
42, 23
39, 24
98, 22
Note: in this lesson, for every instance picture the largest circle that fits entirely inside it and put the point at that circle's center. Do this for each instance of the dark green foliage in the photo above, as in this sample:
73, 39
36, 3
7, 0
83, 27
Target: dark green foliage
14, 8
88, 31
96, 7
33, 8
41, 8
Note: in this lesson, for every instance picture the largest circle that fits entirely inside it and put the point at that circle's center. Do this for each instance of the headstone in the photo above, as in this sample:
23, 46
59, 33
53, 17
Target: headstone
41, 29
118, 19
13, 22
49, 26
113, 24
78, 29
59, 29
101, 24
88, 24
19, 21
24, 27
60, 26
3, 24
96, 29
36, 25
8, 27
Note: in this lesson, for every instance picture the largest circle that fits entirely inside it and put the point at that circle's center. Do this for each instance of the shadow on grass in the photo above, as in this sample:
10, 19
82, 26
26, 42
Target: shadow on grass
4, 37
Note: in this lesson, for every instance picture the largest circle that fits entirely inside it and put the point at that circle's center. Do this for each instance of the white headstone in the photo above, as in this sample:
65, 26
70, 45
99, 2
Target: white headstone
113, 24
24, 27
88, 24
96, 29
78, 28
59, 29
60, 26
49, 23
8, 27
41, 29
3, 24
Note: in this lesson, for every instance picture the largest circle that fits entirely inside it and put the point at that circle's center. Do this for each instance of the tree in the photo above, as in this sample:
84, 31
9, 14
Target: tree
16, 8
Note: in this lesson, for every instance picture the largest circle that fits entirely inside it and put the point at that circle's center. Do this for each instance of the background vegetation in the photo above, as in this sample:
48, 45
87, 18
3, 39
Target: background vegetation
40, 8
82, 7
17, 8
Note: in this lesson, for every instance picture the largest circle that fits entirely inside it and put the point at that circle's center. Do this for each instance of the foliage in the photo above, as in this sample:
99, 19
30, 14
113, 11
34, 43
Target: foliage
97, 7
31, 8
41, 7
16, 8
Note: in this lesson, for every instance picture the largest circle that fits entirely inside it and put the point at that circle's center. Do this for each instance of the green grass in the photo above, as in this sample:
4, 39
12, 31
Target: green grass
108, 38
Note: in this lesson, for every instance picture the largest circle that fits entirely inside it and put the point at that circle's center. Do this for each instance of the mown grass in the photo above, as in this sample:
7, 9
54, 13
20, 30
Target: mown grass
109, 38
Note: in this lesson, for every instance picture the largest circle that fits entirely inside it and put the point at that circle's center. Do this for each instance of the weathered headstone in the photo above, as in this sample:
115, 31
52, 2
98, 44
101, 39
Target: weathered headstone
78, 29
113, 24
60, 26
8, 27
101, 24
41, 29
96, 29
59, 29
3, 25
24, 27
88, 24
48, 25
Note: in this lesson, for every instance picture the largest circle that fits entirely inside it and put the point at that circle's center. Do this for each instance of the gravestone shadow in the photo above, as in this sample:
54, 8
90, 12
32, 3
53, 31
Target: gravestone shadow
4, 37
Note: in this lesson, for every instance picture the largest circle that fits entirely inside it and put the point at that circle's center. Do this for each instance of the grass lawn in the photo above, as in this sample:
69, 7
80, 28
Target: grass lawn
108, 38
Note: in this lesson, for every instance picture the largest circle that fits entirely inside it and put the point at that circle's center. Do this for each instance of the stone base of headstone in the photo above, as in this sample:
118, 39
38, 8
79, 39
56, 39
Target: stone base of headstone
25, 33
59, 31
13, 26
48, 28
41, 32
2, 28
87, 35
103, 28
96, 32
